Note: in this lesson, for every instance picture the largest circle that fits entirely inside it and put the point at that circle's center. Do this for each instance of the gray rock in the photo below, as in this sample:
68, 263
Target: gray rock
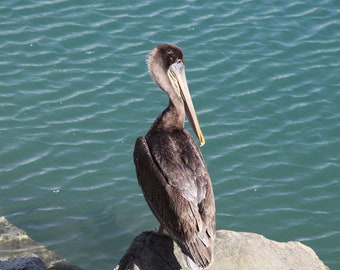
233, 250
149, 251
26, 262
17, 247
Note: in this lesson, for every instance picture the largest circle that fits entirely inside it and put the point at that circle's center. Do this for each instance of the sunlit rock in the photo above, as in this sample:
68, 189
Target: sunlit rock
233, 250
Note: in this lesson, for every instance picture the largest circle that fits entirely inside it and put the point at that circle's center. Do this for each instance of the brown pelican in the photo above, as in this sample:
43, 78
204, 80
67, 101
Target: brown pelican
170, 167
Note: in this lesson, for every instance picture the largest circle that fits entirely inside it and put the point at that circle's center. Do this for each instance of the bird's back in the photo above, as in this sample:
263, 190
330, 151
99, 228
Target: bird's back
175, 182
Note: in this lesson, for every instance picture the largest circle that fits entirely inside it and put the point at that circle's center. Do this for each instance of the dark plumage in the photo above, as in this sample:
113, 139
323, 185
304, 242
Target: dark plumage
170, 167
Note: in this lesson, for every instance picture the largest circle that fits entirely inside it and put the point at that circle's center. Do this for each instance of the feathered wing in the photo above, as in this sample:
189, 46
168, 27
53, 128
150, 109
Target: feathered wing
176, 185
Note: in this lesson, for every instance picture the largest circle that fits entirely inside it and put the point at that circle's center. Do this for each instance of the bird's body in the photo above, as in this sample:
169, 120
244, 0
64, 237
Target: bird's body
170, 167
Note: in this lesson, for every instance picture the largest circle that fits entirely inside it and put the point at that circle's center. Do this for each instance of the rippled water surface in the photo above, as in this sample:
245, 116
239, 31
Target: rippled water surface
75, 93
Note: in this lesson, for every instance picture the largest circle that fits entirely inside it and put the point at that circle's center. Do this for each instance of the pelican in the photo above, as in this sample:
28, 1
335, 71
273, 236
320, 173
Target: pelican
170, 167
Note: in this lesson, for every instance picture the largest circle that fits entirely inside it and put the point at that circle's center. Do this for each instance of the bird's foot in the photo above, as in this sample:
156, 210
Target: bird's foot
161, 231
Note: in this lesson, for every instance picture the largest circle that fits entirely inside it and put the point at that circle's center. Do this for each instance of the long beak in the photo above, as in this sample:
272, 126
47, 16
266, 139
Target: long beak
177, 76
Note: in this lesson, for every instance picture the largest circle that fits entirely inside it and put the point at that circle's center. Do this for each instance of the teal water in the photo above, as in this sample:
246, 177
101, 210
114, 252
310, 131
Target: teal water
75, 94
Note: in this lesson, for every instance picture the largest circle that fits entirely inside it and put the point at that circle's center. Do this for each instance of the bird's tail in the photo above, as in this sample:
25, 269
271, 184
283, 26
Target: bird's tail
197, 254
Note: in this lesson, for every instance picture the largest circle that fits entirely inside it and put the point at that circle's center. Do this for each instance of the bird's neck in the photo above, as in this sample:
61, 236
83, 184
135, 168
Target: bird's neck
172, 117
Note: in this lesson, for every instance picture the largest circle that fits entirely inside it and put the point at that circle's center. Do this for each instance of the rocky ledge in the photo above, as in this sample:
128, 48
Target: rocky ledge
149, 251
233, 250
19, 252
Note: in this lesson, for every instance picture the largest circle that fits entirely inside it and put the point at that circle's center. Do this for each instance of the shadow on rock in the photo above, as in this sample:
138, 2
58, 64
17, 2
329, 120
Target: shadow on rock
150, 251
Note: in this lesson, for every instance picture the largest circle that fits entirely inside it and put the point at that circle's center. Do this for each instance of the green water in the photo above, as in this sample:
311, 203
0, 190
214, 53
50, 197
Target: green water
75, 94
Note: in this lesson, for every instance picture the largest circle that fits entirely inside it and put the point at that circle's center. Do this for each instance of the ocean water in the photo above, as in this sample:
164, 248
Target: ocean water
75, 94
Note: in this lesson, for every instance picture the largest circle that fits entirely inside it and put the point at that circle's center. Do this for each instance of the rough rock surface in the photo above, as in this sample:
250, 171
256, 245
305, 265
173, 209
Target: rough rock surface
233, 250
27, 262
19, 251
149, 251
